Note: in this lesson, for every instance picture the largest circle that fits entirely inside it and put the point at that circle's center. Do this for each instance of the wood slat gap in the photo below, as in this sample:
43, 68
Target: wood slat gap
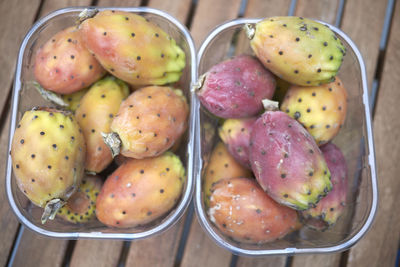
124, 253
68, 253
185, 234
13, 252
190, 17
339, 13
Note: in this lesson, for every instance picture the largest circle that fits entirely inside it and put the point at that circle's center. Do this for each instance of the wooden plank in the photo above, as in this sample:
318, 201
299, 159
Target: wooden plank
363, 22
379, 246
17, 16
119, 3
180, 9
209, 14
102, 253
262, 9
156, 251
36, 250
200, 250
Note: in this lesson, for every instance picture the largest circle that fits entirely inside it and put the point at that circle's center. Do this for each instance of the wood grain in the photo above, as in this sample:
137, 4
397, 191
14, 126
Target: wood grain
209, 14
273, 261
35, 250
99, 253
119, 3
200, 250
178, 9
379, 246
363, 22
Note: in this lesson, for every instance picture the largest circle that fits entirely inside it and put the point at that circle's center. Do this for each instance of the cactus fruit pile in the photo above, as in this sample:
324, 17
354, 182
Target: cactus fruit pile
113, 85
277, 169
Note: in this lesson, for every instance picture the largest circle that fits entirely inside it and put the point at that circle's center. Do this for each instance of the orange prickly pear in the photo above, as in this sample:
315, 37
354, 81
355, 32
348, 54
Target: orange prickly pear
48, 154
132, 48
64, 65
95, 115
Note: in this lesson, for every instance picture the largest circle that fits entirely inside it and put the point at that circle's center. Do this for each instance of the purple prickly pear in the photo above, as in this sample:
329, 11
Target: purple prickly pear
287, 162
234, 88
328, 210
298, 50
235, 133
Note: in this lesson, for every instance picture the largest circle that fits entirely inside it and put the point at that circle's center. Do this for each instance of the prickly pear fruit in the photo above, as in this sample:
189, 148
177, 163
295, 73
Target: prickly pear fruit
298, 50
287, 162
95, 114
140, 191
150, 121
329, 209
48, 154
320, 109
243, 211
81, 206
64, 65
132, 48
234, 88
235, 133
73, 99
221, 165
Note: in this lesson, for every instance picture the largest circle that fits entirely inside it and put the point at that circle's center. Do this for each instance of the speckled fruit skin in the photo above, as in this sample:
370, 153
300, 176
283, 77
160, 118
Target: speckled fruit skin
329, 209
48, 155
298, 50
234, 88
73, 99
235, 133
81, 206
132, 48
221, 165
64, 65
140, 191
244, 212
95, 114
287, 162
150, 121
320, 109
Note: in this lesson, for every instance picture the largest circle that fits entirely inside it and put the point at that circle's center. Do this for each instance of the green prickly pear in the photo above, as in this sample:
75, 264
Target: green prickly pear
64, 65
81, 206
298, 50
141, 191
95, 114
287, 162
320, 109
132, 48
48, 155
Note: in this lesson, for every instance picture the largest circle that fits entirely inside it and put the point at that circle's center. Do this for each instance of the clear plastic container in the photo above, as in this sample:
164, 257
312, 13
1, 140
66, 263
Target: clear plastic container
25, 97
355, 140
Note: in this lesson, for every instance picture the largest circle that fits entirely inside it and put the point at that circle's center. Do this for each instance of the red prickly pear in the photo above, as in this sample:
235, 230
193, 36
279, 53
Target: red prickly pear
320, 109
48, 154
221, 165
141, 191
235, 133
132, 48
287, 162
243, 211
235, 88
298, 50
329, 209
149, 122
81, 206
64, 65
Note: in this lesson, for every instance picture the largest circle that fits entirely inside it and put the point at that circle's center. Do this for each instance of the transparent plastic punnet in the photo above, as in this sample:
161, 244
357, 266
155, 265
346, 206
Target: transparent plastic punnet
25, 97
354, 139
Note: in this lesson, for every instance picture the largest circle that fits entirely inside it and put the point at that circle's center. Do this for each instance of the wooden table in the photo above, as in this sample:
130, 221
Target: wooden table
374, 25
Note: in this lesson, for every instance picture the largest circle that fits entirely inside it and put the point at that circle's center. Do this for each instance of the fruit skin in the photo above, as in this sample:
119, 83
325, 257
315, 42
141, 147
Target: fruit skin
234, 88
64, 65
150, 121
298, 50
235, 133
132, 48
320, 109
243, 211
48, 155
140, 191
287, 162
81, 206
95, 114
221, 165
329, 209
73, 99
